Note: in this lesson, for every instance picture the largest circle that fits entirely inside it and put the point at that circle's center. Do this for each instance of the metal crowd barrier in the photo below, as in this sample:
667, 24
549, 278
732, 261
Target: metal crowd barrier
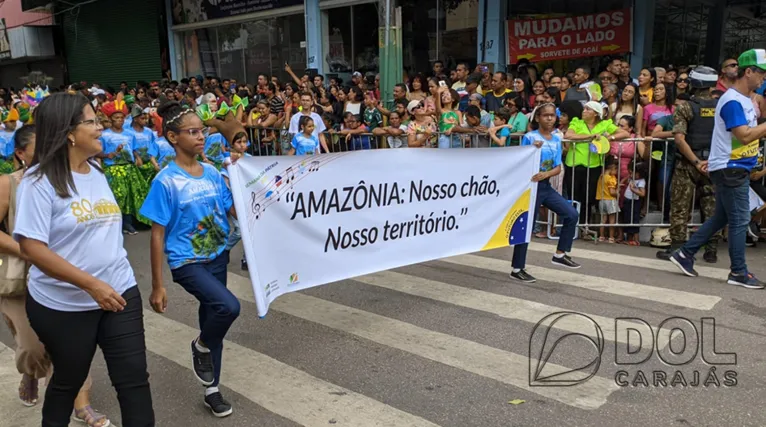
270, 141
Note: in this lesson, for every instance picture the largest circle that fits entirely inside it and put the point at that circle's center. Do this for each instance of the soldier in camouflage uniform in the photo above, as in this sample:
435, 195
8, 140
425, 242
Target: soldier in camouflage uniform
693, 127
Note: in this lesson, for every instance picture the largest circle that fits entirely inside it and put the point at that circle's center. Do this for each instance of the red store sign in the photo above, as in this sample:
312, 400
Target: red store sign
547, 39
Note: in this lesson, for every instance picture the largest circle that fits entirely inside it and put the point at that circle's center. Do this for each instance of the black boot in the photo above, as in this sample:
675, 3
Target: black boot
665, 255
711, 254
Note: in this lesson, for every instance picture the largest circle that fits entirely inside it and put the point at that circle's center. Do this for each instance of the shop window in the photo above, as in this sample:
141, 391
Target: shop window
242, 51
340, 47
366, 40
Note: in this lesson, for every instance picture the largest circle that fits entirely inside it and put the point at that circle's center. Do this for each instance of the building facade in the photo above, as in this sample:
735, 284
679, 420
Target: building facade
27, 45
243, 38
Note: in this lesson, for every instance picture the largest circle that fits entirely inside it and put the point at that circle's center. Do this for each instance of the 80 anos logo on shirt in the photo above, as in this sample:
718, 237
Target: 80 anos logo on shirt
568, 348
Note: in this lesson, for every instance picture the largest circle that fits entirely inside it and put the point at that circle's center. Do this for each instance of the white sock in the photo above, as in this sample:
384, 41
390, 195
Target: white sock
211, 390
200, 348
557, 255
516, 270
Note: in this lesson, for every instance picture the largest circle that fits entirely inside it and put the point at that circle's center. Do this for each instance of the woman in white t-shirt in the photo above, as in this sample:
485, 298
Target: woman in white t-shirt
81, 292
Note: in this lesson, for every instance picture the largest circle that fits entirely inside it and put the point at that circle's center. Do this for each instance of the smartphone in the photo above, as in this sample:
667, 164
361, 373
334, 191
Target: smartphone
484, 69
442, 83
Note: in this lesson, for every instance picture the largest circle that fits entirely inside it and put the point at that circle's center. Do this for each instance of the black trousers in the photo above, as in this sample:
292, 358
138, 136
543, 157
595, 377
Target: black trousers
585, 186
70, 338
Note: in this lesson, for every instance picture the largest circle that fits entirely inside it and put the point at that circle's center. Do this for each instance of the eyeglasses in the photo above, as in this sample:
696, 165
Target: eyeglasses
687, 81
90, 122
732, 65
194, 133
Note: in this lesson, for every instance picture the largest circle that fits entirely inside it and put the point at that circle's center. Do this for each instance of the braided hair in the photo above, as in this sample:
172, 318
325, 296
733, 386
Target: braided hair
172, 114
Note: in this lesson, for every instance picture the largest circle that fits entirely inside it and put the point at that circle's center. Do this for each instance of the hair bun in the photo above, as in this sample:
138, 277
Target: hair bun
169, 108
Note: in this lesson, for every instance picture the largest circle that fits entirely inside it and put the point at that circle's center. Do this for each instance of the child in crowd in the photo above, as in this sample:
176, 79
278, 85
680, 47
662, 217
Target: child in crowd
354, 132
372, 116
305, 143
501, 119
606, 194
449, 117
395, 133
634, 191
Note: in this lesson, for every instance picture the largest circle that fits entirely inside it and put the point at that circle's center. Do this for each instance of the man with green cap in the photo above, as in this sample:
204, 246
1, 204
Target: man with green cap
733, 154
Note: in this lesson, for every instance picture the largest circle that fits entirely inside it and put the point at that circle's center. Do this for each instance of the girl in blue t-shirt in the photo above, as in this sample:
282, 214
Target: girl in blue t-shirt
304, 143
238, 150
125, 180
145, 149
549, 143
188, 205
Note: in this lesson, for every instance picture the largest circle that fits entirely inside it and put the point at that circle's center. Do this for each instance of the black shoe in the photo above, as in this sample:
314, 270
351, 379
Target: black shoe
753, 230
202, 364
710, 256
523, 276
565, 261
749, 241
746, 281
243, 264
665, 255
129, 230
218, 405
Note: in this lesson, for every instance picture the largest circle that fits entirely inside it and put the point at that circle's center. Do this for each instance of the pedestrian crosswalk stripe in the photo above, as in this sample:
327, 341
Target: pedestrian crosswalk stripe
633, 261
276, 386
594, 283
501, 305
489, 362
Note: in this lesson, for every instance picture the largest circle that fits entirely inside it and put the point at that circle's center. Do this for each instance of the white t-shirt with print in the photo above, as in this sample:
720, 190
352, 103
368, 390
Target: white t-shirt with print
639, 183
398, 141
85, 230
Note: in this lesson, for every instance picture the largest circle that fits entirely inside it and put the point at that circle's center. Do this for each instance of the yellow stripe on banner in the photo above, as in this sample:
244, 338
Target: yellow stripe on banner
503, 232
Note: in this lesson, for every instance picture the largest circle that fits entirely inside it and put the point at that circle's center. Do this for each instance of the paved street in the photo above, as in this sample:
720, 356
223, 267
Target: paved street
446, 343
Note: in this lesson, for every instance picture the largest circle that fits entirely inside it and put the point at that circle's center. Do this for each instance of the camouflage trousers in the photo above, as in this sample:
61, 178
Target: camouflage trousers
686, 181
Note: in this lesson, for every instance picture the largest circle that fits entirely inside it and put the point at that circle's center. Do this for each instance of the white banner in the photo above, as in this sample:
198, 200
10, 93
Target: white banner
308, 221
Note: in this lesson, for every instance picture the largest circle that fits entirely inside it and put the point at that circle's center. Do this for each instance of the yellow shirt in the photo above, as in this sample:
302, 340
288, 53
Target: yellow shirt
606, 184
649, 93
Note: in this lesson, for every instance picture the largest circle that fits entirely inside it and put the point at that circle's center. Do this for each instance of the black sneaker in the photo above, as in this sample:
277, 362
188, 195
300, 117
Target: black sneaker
523, 276
243, 264
129, 230
684, 263
710, 256
746, 281
749, 241
753, 230
565, 261
218, 405
202, 364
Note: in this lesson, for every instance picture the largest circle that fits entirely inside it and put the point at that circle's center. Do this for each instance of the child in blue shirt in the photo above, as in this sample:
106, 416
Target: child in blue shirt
549, 144
145, 149
304, 143
215, 146
238, 150
188, 205
165, 152
125, 179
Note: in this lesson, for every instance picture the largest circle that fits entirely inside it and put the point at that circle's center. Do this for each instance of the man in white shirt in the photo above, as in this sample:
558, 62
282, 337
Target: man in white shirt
733, 154
307, 103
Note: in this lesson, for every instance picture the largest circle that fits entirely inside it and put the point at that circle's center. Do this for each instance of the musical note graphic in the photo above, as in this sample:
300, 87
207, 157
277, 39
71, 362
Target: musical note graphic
290, 175
314, 166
